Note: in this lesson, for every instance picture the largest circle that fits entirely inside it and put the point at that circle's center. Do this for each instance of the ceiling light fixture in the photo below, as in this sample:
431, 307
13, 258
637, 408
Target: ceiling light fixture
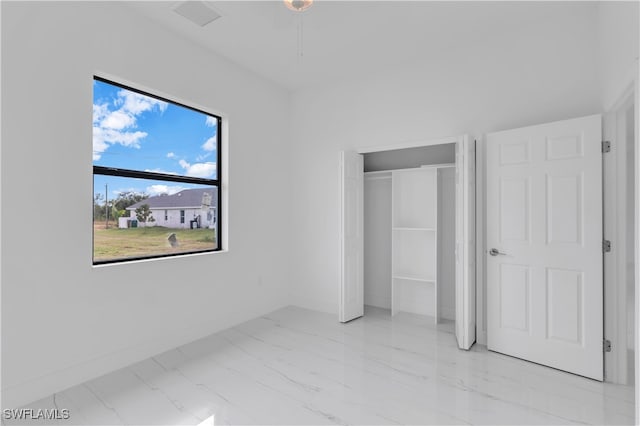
298, 5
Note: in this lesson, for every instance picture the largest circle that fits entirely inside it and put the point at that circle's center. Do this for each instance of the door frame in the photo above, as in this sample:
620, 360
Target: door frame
457, 140
615, 271
636, 87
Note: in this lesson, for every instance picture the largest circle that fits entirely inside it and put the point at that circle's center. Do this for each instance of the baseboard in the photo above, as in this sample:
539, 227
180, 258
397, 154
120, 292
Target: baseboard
385, 304
481, 337
325, 305
447, 312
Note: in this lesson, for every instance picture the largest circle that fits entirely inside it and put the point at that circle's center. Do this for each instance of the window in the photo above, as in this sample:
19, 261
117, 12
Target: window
152, 157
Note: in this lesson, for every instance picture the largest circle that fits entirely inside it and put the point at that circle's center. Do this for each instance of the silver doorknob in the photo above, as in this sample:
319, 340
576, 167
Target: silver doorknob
495, 252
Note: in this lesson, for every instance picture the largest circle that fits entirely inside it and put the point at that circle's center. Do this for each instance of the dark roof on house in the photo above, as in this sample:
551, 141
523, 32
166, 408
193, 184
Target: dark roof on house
187, 198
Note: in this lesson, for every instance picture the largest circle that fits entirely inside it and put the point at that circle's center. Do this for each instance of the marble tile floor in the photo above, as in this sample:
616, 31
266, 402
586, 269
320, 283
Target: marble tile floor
296, 366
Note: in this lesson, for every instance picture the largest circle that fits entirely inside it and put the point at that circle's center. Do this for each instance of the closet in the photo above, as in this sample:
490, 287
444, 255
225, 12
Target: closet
409, 231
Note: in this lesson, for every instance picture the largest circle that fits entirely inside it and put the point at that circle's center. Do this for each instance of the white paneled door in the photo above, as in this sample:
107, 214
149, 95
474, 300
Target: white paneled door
544, 237
352, 236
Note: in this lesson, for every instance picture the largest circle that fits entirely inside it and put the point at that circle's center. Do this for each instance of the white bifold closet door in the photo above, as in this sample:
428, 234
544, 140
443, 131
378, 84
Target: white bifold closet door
351, 236
351, 291
465, 293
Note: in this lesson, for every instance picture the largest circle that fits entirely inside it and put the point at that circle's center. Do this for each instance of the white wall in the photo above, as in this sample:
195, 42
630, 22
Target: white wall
535, 74
618, 47
64, 321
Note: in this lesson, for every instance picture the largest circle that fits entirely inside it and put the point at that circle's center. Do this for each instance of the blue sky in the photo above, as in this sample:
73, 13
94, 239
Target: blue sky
137, 132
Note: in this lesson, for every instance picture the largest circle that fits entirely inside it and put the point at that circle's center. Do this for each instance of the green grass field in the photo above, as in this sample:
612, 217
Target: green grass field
114, 243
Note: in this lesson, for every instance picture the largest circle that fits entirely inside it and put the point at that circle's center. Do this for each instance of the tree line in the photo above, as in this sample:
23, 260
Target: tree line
116, 207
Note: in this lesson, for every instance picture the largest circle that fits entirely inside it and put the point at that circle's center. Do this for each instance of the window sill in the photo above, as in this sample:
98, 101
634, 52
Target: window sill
155, 259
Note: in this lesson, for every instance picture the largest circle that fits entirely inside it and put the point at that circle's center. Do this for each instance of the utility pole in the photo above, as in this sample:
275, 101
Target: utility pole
106, 205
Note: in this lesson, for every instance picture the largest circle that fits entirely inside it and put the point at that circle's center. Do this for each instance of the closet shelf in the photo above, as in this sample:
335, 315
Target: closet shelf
414, 278
403, 228
414, 224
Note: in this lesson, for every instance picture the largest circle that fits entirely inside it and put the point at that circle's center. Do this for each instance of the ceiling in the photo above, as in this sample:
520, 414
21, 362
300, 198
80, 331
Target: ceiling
345, 39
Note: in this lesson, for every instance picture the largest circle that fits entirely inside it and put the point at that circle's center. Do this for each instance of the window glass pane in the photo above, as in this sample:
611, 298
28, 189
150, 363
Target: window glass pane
137, 218
138, 132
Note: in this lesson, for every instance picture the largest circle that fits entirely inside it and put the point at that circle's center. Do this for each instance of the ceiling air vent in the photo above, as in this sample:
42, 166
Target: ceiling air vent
197, 12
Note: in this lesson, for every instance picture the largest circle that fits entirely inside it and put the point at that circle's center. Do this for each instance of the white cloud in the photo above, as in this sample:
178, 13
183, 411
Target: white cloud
203, 170
171, 155
100, 112
163, 189
117, 192
103, 138
211, 121
203, 157
130, 139
136, 103
211, 144
99, 144
117, 126
118, 120
160, 171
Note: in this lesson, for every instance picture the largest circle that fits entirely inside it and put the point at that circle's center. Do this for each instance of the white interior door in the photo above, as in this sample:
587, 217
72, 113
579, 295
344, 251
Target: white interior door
465, 293
544, 236
352, 236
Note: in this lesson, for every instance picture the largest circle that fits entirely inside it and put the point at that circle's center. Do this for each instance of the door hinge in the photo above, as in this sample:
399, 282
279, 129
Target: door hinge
606, 345
606, 146
606, 246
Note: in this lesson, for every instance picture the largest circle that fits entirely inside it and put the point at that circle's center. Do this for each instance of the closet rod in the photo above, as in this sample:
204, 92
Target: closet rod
426, 166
